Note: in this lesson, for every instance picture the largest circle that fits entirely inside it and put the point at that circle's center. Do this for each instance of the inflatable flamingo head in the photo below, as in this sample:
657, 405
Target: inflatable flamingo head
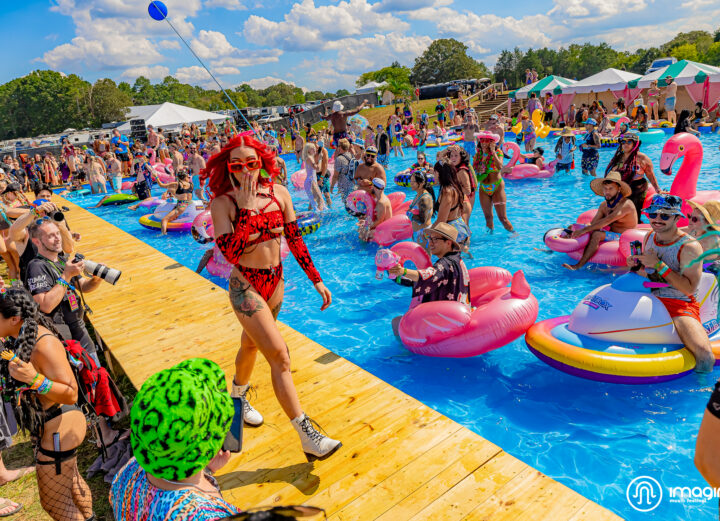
678, 146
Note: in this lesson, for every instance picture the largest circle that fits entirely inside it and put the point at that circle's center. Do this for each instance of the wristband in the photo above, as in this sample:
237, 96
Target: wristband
45, 386
37, 381
65, 283
404, 271
659, 265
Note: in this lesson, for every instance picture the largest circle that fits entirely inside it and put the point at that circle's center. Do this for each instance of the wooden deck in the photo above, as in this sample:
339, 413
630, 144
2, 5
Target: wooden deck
399, 460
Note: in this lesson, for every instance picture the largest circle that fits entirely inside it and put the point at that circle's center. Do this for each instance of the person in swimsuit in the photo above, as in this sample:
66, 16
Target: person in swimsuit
654, 100
250, 214
700, 115
670, 93
667, 257
383, 211
491, 186
564, 151
449, 205
183, 191
322, 175
528, 132
590, 149
299, 143
48, 410
338, 119
616, 212
312, 190
635, 168
422, 207
460, 161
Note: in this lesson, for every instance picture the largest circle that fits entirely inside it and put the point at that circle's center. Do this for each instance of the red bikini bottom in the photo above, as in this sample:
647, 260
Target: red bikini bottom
264, 280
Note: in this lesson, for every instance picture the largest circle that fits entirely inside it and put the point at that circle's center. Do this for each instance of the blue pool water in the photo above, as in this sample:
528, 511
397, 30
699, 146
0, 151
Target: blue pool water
593, 437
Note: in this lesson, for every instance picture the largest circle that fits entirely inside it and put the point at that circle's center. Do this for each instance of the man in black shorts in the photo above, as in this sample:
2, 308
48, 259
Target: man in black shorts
338, 120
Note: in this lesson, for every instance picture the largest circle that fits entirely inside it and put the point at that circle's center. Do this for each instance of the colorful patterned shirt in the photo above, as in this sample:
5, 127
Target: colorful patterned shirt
134, 498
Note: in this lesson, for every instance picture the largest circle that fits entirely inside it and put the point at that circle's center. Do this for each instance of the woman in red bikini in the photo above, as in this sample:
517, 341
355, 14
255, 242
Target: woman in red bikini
250, 213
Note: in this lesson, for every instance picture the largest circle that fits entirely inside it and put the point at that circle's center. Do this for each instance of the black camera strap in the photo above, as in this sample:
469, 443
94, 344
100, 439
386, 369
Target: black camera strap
78, 286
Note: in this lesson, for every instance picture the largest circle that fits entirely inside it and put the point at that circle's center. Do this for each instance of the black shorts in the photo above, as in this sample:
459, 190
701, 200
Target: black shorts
123, 157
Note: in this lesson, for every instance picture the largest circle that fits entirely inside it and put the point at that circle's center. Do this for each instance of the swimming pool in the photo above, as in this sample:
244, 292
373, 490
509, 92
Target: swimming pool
593, 437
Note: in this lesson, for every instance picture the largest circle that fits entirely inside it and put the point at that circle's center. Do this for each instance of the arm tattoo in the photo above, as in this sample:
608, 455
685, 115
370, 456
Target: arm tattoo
242, 299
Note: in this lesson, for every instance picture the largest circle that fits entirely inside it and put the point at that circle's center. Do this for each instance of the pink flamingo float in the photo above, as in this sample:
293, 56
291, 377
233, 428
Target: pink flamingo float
526, 170
498, 314
395, 229
684, 147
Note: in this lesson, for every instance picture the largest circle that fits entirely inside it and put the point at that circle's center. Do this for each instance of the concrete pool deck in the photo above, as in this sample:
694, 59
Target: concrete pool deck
399, 460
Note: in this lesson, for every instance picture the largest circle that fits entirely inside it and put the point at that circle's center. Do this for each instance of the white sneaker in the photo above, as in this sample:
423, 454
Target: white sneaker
315, 445
250, 415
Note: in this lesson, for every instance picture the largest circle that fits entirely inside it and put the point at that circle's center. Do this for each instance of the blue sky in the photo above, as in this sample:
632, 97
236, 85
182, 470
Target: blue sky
317, 44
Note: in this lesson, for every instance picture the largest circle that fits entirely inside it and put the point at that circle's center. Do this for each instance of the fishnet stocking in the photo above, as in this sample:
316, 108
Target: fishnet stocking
64, 496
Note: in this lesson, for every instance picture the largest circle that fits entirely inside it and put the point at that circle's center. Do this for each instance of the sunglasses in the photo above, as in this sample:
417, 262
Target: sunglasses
371, 155
692, 218
663, 216
238, 166
434, 239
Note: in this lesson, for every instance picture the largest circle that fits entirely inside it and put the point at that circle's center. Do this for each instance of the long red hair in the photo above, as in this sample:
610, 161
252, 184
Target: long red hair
217, 172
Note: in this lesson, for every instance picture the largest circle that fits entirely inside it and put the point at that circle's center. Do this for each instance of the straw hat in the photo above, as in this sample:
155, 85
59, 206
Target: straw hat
710, 211
615, 177
446, 231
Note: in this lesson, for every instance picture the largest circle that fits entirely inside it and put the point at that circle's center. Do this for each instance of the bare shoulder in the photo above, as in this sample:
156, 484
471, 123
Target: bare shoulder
282, 193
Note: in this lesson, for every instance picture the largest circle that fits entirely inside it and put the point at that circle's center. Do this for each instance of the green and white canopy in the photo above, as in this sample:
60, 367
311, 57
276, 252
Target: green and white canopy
683, 72
551, 84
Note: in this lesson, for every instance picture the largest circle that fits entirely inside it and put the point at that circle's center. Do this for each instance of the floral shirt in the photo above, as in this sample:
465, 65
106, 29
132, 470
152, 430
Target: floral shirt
447, 279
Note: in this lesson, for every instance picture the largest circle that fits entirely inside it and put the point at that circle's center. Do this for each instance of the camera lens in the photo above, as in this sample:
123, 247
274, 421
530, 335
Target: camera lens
58, 216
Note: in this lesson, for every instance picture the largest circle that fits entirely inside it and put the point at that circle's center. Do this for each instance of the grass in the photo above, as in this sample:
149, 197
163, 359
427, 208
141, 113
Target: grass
25, 490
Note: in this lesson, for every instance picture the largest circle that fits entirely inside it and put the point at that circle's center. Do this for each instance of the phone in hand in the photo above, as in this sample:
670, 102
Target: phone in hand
636, 249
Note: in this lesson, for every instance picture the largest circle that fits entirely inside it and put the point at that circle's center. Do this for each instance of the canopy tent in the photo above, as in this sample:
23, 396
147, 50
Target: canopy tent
169, 116
370, 87
551, 84
683, 72
610, 79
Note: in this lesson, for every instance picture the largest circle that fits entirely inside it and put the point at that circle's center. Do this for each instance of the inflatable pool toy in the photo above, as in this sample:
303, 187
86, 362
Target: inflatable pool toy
609, 142
621, 333
298, 178
526, 170
154, 202
81, 192
403, 178
686, 147
541, 129
308, 222
400, 254
653, 135
499, 314
127, 185
118, 199
395, 229
182, 223
612, 253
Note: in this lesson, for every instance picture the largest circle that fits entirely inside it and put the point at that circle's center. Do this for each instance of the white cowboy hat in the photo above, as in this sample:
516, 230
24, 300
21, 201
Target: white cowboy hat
337, 106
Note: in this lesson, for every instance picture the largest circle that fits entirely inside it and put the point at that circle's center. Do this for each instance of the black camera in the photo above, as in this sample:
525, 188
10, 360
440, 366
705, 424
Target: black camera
95, 269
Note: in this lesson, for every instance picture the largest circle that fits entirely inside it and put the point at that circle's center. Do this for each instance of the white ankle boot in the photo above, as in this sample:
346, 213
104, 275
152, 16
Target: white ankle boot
250, 415
315, 445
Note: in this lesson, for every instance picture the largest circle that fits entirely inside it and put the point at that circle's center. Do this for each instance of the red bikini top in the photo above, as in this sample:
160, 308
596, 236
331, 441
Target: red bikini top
263, 222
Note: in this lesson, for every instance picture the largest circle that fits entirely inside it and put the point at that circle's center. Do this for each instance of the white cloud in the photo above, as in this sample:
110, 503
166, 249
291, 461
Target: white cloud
193, 74
157, 72
226, 70
212, 44
249, 58
233, 5
116, 34
398, 6
265, 82
697, 4
597, 9
322, 77
307, 27
169, 44
362, 54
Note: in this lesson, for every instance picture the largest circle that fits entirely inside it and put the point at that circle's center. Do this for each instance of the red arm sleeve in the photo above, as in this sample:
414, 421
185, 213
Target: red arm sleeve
232, 245
300, 252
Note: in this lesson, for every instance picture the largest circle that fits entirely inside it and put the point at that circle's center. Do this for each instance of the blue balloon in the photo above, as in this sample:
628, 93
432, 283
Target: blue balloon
157, 10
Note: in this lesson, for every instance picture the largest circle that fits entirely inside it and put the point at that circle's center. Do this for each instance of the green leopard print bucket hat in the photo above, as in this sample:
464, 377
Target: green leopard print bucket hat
179, 419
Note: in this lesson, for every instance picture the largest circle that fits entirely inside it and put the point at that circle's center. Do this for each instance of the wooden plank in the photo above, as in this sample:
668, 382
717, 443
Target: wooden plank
400, 459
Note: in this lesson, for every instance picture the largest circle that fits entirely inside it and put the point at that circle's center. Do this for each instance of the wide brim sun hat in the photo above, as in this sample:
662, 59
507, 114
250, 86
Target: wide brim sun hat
710, 211
615, 177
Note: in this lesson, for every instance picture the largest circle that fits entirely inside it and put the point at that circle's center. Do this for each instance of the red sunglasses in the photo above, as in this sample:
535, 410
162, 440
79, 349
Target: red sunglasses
237, 167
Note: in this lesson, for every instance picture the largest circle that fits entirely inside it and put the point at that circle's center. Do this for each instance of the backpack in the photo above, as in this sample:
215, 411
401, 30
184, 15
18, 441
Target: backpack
97, 392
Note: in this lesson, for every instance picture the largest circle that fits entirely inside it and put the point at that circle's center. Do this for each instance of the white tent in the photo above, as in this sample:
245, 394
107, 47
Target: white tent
551, 84
683, 72
169, 116
370, 87
609, 79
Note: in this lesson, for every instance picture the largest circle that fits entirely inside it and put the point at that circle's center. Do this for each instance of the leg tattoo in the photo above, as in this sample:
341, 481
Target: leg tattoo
242, 299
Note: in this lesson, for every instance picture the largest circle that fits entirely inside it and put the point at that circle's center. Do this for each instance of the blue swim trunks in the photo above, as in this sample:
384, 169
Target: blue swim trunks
612, 236
670, 103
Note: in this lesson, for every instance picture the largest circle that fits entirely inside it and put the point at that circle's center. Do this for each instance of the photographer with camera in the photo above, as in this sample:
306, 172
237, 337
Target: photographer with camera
53, 279
18, 239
